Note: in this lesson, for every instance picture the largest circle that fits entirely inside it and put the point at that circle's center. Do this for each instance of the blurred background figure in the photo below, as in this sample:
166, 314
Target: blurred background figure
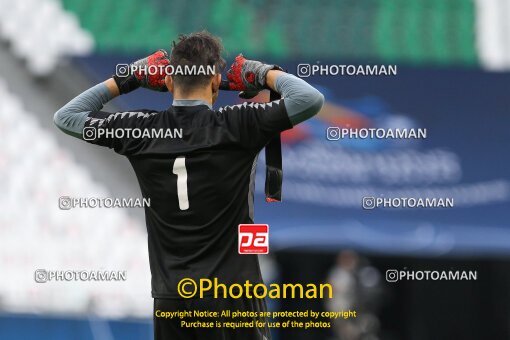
357, 287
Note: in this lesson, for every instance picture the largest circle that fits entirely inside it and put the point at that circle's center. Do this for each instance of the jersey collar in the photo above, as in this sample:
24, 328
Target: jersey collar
190, 102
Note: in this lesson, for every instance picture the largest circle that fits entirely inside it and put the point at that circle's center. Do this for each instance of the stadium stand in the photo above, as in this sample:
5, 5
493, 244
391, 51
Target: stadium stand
414, 31
69, 45
44, 35
455, 32
54, 239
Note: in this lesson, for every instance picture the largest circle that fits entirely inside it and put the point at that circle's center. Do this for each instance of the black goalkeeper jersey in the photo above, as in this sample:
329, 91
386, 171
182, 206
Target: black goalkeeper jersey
197, 168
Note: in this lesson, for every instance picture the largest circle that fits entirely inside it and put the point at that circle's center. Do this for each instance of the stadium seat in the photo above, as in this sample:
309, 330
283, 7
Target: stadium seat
45, 35
54, 239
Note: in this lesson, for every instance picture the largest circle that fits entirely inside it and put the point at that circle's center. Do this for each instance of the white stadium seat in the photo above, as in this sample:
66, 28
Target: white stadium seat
36, 234
45, 34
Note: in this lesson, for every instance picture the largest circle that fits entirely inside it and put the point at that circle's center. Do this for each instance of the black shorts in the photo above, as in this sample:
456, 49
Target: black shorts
171, 329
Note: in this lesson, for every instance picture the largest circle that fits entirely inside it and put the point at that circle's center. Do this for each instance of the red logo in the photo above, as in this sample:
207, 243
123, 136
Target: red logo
253, 239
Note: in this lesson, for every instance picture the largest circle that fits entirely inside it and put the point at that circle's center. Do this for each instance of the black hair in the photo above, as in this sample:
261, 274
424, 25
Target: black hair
200, 49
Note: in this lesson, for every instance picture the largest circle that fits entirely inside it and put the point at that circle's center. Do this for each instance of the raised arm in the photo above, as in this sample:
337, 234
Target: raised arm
302, 100
72, 116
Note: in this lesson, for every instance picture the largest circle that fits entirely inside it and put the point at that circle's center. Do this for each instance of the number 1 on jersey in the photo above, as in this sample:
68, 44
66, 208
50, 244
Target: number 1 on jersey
182, 182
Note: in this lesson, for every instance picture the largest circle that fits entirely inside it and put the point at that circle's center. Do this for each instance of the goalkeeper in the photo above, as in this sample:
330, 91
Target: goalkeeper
200, 183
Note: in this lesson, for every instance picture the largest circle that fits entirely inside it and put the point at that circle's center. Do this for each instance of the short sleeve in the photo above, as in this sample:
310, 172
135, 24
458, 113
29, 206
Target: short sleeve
254, 124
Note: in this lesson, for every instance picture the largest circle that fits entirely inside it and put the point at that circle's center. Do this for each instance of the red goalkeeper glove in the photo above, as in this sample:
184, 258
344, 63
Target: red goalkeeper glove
148, 73
248, 76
